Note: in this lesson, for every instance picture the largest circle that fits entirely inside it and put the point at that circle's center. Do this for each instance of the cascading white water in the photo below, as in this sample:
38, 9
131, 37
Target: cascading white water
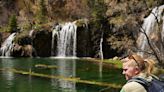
66, 39
7, 45
162, 36
31, 32
101, 56
66, 46
101, 51
149, 27
54, 33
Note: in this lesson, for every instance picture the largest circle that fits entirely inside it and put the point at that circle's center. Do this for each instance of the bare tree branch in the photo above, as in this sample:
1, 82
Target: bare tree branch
150, 45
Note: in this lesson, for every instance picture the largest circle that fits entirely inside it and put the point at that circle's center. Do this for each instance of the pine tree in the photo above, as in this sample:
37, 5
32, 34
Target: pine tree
42, 11
12, 24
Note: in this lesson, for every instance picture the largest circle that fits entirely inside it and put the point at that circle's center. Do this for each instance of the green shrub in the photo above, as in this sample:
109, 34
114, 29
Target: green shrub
12, 27
4, 29
41, 15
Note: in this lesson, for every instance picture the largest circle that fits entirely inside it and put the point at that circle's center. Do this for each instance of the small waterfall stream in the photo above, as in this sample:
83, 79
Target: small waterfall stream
31, 33
149, 27
7, 45
54, 33
66, 39
101, 56
101, 50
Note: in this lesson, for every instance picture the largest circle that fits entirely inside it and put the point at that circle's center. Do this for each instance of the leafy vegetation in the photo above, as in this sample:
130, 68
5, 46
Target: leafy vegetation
42, 12
116, 62
3, 29
12, 24
98, 13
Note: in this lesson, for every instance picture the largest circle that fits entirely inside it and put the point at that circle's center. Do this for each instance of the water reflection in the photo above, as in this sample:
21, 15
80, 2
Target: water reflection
8, 76
65, 69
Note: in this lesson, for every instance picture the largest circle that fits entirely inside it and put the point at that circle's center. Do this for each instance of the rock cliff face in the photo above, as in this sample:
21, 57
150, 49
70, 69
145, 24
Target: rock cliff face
27, 11
42, 43
118, 20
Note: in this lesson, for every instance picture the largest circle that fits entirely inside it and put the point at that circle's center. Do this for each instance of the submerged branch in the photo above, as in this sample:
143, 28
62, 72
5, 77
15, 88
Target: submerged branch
72, 79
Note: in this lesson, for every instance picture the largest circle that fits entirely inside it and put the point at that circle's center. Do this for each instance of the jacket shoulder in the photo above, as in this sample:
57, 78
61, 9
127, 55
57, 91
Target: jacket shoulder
133, 87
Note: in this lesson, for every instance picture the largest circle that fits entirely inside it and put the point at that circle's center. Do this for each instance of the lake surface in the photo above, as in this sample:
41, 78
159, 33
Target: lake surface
60, 75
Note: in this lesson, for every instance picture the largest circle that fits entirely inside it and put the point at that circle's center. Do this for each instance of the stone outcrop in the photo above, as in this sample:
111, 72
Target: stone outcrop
42, 43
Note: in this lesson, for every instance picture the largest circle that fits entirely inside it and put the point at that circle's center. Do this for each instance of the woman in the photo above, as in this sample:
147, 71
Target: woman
135, 66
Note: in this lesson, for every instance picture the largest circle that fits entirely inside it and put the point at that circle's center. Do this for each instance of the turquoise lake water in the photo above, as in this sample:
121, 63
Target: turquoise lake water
64, 67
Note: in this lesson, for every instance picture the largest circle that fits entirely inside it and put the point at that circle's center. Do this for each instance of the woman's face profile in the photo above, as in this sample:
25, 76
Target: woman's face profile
129, 70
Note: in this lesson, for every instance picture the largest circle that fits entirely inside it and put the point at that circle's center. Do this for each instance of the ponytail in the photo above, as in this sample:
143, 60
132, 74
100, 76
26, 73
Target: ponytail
149, 66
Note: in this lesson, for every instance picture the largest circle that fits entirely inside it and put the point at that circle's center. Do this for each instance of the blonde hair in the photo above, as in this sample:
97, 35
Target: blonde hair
150, 65
145, 65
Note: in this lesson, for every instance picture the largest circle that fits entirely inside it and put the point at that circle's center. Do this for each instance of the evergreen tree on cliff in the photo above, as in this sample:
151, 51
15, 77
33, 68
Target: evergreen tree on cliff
12, 24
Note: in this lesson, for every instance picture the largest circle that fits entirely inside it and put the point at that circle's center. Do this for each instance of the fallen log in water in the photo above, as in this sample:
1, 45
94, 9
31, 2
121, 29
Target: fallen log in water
72, 79
44, 66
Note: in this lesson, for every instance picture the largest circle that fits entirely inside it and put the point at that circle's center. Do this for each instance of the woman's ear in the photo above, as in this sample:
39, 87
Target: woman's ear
137, 70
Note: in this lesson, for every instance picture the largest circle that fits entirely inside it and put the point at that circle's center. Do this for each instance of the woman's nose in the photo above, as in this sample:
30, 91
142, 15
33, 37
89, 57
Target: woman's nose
123, 72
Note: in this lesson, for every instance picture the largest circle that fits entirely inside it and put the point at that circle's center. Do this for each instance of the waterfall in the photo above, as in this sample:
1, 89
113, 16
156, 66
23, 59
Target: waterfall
7, 45
66, 39
31, 33
162, 33
65, 35
54, 33
101, 56
162, 37
101, 51
149, 28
